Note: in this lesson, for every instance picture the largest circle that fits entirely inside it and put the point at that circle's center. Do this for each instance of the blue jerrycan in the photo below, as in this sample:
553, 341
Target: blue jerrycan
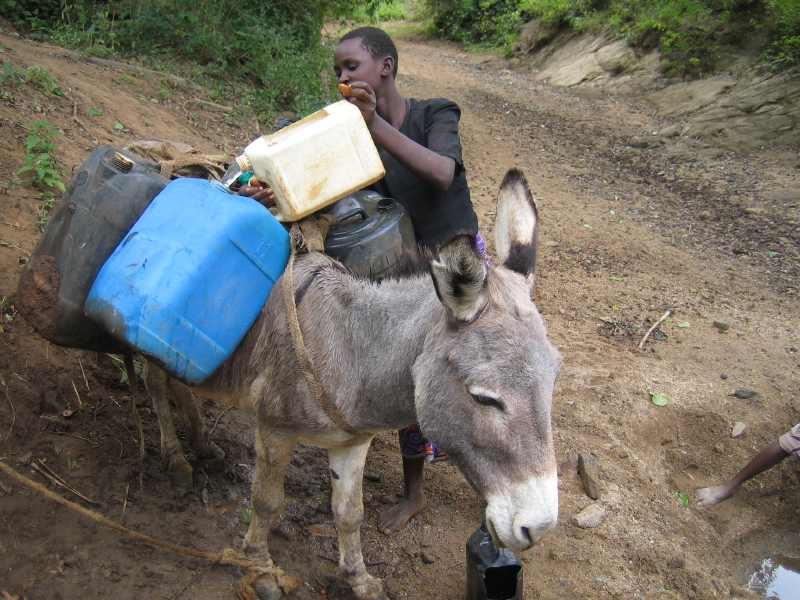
492, 573
190, 277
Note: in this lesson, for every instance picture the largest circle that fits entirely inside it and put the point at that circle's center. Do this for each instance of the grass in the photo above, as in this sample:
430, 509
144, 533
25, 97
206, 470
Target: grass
35, 76
41, 167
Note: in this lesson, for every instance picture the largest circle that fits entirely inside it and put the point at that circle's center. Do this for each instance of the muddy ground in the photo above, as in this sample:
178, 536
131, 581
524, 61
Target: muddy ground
632, 225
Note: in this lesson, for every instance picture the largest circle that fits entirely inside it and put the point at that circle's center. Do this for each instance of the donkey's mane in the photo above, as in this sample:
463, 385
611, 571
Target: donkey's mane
408, 265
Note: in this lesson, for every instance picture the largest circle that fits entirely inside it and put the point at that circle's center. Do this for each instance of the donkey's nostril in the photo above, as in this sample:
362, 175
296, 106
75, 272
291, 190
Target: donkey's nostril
527, 534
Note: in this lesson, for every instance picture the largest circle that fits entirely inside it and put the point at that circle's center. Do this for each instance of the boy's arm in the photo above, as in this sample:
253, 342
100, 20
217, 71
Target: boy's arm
424, 162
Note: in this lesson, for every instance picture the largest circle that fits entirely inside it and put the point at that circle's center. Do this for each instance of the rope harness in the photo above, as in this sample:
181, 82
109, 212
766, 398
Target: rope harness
309, 234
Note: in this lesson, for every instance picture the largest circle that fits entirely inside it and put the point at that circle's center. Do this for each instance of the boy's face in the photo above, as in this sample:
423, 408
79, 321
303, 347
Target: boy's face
353, 62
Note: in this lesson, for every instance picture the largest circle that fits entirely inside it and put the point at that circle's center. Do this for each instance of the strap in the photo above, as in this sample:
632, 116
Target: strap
300, 350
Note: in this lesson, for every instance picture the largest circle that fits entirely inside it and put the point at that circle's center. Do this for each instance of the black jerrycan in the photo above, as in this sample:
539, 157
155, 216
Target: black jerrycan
371, 235
492, 573
108, 193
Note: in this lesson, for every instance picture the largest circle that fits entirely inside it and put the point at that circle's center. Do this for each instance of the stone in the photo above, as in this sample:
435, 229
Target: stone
427, 558
534, 35
723, 376
590, 517
745, 394
589, 471
738, 429
721, 326
373, 477
616, 57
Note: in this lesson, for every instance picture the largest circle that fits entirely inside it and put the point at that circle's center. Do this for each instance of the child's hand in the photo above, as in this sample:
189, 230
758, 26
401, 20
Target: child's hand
363, 96
261, 192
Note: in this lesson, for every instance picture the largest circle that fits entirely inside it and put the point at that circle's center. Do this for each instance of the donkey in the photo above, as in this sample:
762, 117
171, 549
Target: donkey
462, 350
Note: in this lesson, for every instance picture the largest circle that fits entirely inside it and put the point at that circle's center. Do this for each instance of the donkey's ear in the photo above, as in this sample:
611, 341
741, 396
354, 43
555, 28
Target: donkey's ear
516, 228
459, 276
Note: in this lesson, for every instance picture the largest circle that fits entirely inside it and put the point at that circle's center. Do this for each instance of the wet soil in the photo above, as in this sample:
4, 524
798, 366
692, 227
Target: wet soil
633, 224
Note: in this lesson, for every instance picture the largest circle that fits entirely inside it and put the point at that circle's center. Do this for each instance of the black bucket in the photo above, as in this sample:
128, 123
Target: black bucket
492, 573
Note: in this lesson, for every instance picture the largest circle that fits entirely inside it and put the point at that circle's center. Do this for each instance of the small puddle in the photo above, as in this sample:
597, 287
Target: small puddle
777, 578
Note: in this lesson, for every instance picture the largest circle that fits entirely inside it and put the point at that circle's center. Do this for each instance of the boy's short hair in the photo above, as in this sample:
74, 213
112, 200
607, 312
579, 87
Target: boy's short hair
376, 41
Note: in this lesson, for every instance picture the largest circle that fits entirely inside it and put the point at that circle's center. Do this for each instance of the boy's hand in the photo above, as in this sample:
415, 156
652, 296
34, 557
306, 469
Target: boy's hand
262, 192
363, 96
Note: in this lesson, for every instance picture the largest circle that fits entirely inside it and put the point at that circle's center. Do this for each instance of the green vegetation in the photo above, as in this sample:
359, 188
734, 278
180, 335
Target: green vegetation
38, 77
41, 167
692, 35
268, 54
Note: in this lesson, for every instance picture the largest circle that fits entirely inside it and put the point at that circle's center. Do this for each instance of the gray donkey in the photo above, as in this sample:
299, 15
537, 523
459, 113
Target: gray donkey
462, 350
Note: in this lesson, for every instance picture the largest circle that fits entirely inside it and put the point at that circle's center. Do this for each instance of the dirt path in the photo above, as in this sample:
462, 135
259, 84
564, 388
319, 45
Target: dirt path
632, 225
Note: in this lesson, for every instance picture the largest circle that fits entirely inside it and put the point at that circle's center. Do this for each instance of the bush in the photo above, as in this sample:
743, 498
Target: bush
273, 47
690, 34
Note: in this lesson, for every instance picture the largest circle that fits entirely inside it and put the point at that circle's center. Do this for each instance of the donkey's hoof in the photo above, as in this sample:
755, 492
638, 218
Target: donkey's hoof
266, 588
257, 552
369, 588
180, 472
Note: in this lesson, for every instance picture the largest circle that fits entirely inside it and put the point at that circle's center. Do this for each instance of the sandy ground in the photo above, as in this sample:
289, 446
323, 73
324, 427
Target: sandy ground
632, 225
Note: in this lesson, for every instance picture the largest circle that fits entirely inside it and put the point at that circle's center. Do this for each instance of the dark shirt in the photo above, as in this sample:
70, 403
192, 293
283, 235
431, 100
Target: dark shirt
438, 216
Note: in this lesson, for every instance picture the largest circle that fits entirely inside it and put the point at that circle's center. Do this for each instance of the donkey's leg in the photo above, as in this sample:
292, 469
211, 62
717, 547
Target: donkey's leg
347, 472
171, 452
190, 406
273, 453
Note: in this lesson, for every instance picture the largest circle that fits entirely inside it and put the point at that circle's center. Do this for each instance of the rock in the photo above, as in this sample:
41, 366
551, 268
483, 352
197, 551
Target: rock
427, 558
589, 471
745, 394
373, 477
723, 376
721, 326
616, 57
672, 131
738, 429
534, 35
590, 517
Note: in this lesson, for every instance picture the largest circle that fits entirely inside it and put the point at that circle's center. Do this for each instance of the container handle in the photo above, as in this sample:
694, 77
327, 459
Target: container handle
352, 213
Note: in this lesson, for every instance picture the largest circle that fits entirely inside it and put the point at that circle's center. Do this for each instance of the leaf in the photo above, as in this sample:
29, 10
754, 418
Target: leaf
95, 112
659, 399
119, 126
683, 498
616, 278
772, 253
684, 325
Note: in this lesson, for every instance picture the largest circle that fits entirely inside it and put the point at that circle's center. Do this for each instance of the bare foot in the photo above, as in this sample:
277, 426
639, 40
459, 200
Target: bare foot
709, 496
396, 517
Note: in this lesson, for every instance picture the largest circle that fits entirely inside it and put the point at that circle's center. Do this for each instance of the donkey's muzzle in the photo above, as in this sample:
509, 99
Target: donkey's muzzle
521, 515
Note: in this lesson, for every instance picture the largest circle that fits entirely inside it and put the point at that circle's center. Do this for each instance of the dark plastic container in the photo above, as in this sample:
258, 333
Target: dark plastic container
372, 234
109, 192
492, 573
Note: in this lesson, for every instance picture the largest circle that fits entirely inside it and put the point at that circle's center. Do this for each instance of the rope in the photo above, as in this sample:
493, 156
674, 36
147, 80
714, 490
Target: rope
300, 350
228, 556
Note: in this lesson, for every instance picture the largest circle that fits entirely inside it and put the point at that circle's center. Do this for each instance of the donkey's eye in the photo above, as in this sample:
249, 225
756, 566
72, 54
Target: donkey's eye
489, 401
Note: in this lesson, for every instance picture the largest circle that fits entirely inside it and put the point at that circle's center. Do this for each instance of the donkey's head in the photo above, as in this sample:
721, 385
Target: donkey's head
484, 381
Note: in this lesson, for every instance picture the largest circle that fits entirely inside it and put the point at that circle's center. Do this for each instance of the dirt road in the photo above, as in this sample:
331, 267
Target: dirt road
632, 225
